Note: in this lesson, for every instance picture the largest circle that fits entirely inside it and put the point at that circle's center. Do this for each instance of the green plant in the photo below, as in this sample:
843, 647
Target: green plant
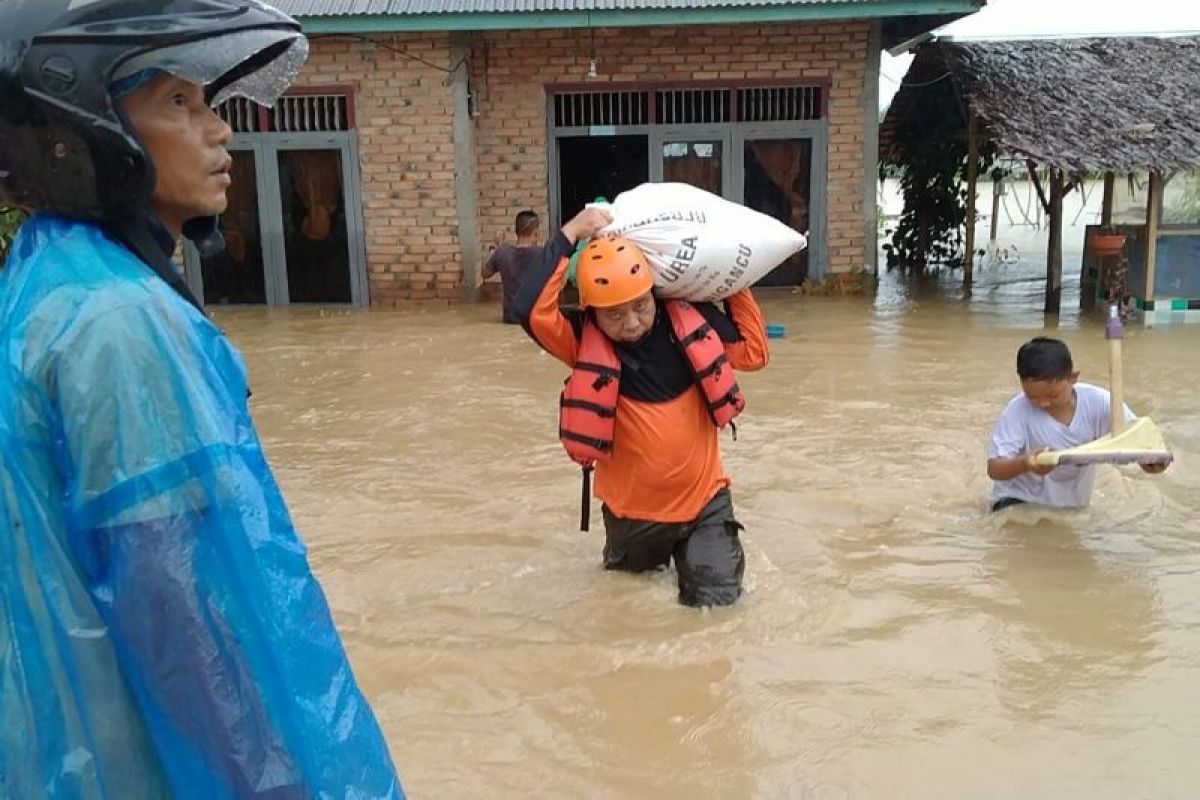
933, 166
10, 220
1117, 286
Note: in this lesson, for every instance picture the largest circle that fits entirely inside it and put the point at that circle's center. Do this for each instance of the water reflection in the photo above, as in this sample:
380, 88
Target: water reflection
897, 640
1073, 619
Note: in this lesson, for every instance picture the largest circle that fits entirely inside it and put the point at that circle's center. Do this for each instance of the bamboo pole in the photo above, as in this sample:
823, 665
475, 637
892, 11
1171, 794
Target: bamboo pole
1113, 332
997, 193
1152, 203
972, 178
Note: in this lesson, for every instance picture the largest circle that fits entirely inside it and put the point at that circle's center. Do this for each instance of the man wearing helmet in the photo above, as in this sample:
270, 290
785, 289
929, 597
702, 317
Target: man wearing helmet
652, 384
161, 632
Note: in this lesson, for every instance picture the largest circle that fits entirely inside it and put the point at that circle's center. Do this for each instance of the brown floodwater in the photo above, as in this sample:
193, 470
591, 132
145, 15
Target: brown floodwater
896, 641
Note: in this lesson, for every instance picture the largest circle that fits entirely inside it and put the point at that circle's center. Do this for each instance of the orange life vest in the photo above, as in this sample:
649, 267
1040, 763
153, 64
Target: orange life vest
588, 406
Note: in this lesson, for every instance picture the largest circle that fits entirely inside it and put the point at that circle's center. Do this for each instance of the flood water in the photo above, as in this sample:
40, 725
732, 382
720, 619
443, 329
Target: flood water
897, 640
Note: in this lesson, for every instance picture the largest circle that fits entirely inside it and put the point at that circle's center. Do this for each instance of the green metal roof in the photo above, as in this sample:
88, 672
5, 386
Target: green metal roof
383, 16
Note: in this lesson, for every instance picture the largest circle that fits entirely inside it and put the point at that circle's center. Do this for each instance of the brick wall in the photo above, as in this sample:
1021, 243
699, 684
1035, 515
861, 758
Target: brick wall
406, 143
406, 152
511, 69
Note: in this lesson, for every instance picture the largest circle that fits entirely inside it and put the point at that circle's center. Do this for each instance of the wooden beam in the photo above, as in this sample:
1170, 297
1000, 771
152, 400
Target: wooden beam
1106, 207
997, 194
1054, 212
1037, 184
972, 199
1153, 201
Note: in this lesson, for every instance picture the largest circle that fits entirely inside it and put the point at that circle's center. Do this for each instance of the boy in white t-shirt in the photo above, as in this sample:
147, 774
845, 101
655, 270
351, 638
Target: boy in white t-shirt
1053, 412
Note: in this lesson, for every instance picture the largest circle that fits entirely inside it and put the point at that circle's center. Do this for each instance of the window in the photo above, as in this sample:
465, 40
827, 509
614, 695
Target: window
1181, 199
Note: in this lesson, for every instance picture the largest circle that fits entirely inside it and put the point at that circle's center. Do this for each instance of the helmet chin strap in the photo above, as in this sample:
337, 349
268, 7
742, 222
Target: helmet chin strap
205, 234
137, 235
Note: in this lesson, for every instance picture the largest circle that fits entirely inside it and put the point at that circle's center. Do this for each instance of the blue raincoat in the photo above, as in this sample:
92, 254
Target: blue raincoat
161, 634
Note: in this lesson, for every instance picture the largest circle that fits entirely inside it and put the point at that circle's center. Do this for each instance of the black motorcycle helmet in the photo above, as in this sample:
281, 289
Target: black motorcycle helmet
64, 146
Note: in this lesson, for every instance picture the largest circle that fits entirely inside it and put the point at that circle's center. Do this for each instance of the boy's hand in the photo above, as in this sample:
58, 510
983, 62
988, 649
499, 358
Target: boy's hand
1154, 469
500, 237
585, 224
1031, 464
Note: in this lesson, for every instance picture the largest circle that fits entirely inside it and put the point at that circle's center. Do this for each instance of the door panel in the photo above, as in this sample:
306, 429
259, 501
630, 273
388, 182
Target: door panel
237, 274
777, 181
293, 227
697, 162
315, 232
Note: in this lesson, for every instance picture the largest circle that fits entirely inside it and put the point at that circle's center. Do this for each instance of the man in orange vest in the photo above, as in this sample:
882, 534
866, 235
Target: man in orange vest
652, 385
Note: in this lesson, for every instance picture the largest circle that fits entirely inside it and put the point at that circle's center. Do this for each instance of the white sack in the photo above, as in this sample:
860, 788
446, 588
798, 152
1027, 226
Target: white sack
701, 247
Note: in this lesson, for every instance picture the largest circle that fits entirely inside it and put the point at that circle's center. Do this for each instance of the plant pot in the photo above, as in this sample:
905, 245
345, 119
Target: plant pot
1106, 244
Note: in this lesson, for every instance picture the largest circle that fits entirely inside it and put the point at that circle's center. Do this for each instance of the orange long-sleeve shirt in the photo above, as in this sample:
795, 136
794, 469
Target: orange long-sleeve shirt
666, 460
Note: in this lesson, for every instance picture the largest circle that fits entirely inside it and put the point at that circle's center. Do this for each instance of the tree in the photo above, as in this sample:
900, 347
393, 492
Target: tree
932, 145
10, 220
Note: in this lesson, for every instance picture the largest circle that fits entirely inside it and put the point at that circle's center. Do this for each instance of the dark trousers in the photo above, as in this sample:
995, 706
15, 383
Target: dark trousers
707, 551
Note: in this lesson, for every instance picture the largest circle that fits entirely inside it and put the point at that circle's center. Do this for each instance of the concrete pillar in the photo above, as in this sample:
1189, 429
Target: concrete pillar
466, 185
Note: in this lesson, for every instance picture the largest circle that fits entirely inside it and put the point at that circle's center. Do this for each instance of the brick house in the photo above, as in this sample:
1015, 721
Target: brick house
418, 129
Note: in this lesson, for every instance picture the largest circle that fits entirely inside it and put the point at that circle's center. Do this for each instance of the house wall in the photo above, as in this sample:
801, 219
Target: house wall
405, 118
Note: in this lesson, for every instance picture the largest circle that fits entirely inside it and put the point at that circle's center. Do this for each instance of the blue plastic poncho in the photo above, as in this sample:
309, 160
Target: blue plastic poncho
160, 631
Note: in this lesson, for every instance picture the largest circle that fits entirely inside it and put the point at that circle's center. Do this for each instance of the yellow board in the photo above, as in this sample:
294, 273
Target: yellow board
1140, 442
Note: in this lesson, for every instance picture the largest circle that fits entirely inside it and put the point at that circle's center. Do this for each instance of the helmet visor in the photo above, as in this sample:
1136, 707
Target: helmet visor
256, 64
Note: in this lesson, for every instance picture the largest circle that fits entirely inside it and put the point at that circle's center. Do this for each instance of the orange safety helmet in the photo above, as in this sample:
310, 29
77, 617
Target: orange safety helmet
612, 271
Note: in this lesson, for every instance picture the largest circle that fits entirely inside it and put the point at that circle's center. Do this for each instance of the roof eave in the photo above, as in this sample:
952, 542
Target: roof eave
1090, 163
631, 18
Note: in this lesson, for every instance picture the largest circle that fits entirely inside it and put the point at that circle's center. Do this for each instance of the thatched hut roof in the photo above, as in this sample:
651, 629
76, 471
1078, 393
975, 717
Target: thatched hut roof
1116, 104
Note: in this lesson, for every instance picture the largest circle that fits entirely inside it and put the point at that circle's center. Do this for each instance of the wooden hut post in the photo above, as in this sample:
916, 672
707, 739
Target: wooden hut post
1054, 246
972, 177
997, 193
1106, 207
1088, 289
1153, 201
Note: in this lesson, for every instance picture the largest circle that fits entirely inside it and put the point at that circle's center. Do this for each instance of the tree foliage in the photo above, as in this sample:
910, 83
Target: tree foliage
10, 220
932, 145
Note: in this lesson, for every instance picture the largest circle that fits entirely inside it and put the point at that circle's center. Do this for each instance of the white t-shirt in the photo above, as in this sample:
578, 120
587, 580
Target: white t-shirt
1023, 427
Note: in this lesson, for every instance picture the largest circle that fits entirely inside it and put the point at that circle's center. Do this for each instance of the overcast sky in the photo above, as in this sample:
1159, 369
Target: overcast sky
1011, 19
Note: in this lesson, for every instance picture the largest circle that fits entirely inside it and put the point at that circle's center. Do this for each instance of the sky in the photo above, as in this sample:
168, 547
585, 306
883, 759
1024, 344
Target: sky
1012, 19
